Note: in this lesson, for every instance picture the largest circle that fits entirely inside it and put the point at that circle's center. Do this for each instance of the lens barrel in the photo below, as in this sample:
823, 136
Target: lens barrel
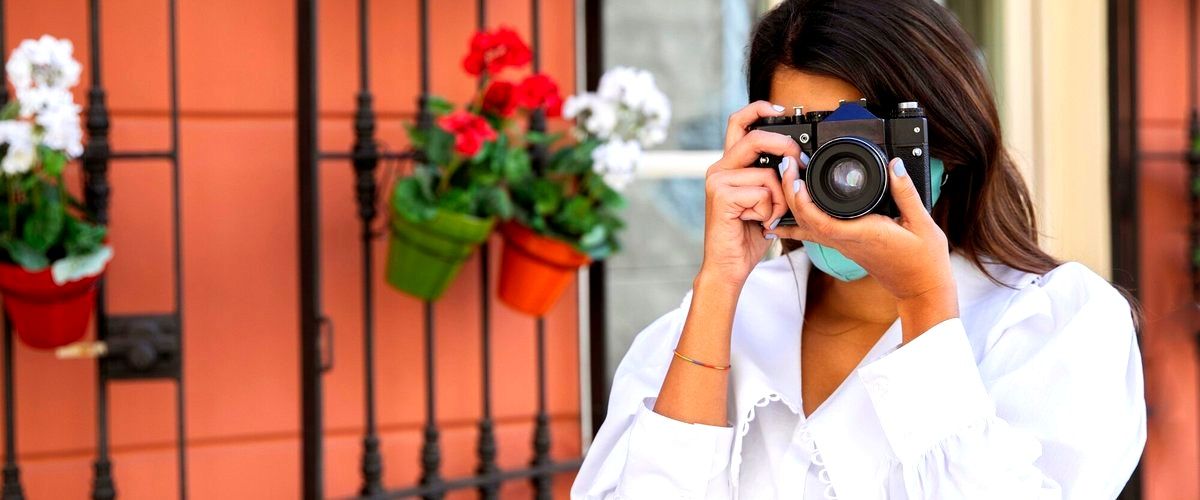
847, 177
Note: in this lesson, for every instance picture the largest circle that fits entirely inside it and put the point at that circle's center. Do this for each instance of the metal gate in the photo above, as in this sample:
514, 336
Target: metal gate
316, 330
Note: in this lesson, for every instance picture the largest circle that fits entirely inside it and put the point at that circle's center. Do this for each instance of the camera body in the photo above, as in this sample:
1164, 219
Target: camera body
849, 150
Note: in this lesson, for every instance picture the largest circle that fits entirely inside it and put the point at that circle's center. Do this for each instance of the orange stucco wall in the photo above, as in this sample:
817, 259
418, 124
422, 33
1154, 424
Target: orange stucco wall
237, 90
1168, 338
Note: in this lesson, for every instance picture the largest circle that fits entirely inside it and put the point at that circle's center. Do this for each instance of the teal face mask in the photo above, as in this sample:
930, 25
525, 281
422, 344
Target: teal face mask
833, 263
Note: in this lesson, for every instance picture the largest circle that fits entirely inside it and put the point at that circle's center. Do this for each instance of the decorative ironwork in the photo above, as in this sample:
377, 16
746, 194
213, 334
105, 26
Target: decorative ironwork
365, 155
366, 161
96, 156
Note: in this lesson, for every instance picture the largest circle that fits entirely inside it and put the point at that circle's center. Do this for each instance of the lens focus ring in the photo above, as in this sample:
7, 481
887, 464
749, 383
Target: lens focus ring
847, 177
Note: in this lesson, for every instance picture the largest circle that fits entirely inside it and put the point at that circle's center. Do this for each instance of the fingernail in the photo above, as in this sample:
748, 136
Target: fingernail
899, 168
774, 224
804, 159
771, 236
784, 166
777, 108
796, 184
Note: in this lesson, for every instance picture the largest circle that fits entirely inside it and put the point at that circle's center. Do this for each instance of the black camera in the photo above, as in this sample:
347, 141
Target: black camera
849, 150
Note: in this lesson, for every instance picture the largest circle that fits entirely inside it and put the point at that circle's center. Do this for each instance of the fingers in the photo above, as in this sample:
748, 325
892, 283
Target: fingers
747, 151
747, 203
812, 223
907, 198
753, 177
743, 118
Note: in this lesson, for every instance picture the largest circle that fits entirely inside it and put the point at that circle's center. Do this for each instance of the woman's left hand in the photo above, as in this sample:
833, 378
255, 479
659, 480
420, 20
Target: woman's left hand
908, 256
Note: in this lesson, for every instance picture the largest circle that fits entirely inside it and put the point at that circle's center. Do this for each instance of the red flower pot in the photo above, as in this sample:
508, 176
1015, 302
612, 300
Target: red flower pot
44, 314
535, 269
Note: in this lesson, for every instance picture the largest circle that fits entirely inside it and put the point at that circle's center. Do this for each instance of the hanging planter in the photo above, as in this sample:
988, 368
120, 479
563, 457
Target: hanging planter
535, 269
456, 192
568, 204
51, 252
425, 257
45, 314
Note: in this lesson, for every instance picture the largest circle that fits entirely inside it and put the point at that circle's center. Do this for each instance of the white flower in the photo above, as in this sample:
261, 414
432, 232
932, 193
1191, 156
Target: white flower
20, 158
616, 161
60, 129
36, 100
595, 117
45, 62
22, 151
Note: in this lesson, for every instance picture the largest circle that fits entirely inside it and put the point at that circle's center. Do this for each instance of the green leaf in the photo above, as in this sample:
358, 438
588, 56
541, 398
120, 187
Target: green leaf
439, 148
497, 201
456, 200
410, 201
438, 106
24, 255
52, 161
517, 167
83, 238
547, 197
541, 138
44, 226
594, 238
77, 267
10, 110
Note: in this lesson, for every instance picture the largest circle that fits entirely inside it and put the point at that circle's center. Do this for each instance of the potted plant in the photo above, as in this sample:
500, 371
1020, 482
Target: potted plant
448, 206
567, 213
51, 255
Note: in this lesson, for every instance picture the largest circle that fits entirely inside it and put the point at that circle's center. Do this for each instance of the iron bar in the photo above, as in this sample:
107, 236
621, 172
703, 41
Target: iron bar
96, 156
12, 473
365, 162
177, 242
542, 486
486, 446
430, 453
144, 155
310, 261
597, 285
382, 155
12, 489
476, 481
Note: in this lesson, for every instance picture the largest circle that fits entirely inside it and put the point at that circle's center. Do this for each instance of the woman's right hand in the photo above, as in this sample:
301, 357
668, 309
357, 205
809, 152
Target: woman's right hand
740, 200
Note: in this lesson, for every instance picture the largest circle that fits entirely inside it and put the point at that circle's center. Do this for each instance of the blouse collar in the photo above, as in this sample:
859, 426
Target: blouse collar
765, 364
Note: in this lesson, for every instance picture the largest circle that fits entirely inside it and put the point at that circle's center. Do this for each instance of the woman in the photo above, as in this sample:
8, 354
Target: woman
937, 355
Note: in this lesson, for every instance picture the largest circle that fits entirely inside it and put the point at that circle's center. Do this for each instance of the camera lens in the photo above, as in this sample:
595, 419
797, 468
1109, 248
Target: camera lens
847, 177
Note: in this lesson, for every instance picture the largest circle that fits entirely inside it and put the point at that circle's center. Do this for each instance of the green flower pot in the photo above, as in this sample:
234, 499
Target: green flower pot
424, 257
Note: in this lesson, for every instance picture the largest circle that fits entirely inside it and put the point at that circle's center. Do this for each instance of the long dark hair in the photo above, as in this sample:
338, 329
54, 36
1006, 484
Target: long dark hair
915, 50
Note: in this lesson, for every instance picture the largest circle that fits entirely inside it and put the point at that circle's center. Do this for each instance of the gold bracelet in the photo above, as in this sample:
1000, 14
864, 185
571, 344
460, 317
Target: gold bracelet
699, 363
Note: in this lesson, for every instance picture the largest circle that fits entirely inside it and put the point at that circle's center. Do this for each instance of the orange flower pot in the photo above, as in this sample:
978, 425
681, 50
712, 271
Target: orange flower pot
44, 314
535, 269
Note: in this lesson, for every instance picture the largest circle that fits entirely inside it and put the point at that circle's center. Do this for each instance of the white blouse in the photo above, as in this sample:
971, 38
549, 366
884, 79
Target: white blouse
1035, 392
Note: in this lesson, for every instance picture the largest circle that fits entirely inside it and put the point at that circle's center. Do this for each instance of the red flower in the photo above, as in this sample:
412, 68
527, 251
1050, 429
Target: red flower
493, 51
470, 131
500, 99
540, 91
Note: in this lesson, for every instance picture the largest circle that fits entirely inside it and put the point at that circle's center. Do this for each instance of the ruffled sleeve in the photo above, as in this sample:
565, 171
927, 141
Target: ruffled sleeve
1051, 407
640, 454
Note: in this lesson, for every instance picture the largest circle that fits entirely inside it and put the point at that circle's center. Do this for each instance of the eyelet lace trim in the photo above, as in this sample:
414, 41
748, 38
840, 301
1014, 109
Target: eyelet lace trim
735, 464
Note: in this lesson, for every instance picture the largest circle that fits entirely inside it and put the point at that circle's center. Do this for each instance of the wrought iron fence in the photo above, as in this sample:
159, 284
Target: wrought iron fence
365, 156
149, 346
139, 347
